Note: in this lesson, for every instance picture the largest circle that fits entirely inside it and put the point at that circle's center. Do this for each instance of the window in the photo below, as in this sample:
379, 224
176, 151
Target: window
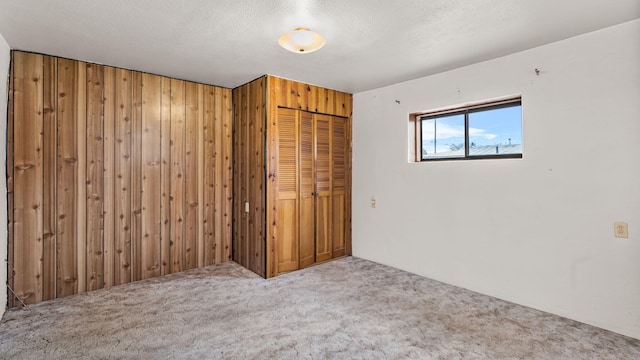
475, 132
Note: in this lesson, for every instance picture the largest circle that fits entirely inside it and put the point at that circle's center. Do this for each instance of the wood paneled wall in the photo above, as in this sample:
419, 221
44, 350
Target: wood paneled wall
249, 103
255, 108
114, 176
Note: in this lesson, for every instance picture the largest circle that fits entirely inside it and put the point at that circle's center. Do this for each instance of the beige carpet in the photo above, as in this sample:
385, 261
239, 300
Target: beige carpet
345, 309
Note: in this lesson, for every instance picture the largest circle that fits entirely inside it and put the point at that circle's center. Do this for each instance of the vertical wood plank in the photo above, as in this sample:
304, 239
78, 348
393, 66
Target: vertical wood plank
95, 177
228, 170
49, 177
81, 198
240, 238
238, 159
67, 187
191, 176
11, 300
244, 177
303, 96
200, 176
209, 156
219, 184
165, 172
109, 213
273, 92
28, 196
136, 178
313, 98
257, 188
331, 102
151, 189
122, 191
176, 198
248, 172
348, 165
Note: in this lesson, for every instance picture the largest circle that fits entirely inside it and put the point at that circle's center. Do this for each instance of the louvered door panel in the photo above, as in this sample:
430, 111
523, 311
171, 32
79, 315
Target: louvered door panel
307, 190
338, 164
287, 177
323, 186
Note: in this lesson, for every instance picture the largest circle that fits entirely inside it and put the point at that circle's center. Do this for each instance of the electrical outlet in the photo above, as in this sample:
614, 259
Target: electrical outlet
620, 229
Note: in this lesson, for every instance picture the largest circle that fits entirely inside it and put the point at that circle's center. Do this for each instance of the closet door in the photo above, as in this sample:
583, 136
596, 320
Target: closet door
339, 180
287, 202
307, 191
323, 187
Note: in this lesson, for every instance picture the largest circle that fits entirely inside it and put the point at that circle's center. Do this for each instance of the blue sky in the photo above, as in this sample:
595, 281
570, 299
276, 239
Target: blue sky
492, 127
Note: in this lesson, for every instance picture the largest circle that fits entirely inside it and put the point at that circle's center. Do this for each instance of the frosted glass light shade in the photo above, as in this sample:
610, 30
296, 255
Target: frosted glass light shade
301, 41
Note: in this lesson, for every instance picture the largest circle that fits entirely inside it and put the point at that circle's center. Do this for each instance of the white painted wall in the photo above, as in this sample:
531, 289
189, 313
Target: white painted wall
5, 56
536, 231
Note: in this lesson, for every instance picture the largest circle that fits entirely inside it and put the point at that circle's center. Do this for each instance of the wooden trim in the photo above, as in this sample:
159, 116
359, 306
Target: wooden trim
471, 106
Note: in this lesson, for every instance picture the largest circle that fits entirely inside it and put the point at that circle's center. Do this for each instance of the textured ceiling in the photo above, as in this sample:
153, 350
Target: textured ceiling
370, 43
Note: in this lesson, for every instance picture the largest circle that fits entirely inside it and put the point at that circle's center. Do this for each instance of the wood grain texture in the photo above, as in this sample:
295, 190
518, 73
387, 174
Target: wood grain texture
122, 191
307, 190
257, 208
249, 175
165, 174
11, 299
208, 171
288, 188
176, 198
107, 173
150, 182
347, 191
67, 179
28, 171
227, 171
324, 183
282, 93
339, 183
191, 176
200, 176
49, 236
240, 242
95, 177
81, 198
136, 178
218, 162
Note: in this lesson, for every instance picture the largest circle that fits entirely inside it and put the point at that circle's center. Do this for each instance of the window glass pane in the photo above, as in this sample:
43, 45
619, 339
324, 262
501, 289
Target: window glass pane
443, 136
495, 132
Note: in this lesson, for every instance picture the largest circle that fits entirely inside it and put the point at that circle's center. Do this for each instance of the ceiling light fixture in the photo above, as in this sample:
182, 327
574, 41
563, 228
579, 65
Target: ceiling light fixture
301, 41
